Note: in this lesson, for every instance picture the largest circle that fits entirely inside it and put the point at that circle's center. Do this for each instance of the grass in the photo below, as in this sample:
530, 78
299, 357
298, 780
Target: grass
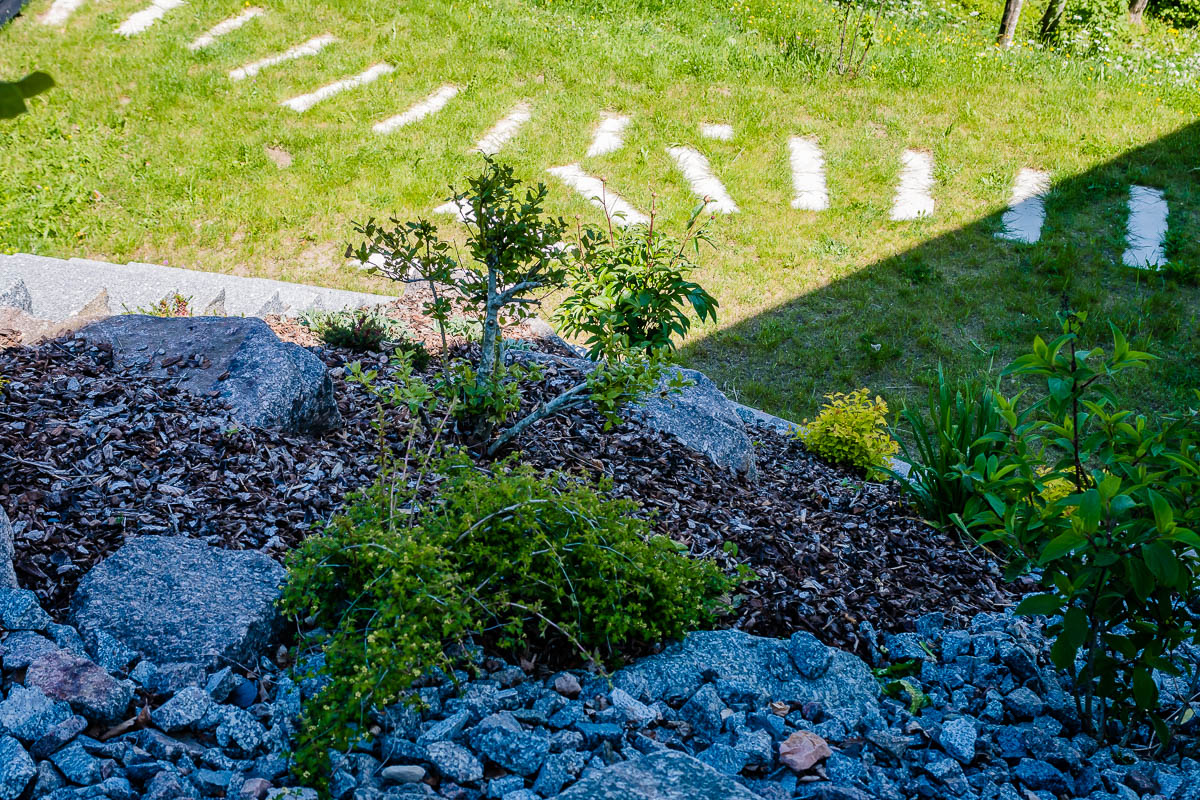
147, 151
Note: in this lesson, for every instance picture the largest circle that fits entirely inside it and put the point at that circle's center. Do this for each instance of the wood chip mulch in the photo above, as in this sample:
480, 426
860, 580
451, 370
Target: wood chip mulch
90, 456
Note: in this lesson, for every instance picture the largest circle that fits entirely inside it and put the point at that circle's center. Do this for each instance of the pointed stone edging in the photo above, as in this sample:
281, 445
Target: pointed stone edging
55, 289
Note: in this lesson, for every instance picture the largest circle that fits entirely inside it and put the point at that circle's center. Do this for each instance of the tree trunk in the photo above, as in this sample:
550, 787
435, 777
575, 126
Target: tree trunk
1051, 19
1008, 22
1136, 7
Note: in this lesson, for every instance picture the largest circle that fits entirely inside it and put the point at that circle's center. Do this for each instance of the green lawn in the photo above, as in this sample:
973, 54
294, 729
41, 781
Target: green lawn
147, 151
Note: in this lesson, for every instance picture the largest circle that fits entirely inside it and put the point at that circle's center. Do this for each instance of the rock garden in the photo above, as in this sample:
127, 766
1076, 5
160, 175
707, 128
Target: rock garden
434, 550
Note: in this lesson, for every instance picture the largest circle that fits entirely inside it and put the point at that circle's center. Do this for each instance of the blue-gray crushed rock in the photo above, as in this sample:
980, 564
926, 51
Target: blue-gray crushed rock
703, 718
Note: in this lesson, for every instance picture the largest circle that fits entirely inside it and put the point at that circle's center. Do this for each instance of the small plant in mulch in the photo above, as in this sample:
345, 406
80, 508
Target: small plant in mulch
514, 257
174, 305
851, 430
365, 330
632, 286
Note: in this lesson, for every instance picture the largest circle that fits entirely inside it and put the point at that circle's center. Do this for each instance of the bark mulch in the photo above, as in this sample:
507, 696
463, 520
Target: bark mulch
90, 456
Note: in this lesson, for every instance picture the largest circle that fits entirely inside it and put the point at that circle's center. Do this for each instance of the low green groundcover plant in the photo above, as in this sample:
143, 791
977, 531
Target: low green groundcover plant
530, 564
363, 330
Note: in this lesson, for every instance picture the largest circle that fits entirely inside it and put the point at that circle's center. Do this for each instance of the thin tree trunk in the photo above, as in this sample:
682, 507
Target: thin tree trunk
1051, 19
1136, 7
1008, 22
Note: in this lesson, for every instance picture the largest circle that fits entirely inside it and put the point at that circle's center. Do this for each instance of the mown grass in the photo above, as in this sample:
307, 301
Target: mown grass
147, 151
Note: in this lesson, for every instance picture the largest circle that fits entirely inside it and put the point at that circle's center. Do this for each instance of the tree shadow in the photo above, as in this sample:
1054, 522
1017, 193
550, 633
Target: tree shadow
14, 94
969, 300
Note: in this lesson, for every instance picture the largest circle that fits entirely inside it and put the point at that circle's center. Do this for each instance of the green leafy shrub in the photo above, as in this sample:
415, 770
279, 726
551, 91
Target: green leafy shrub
631, 286
1115, 550
851, 430
364, 330
532, 564
1179, 13
960, 425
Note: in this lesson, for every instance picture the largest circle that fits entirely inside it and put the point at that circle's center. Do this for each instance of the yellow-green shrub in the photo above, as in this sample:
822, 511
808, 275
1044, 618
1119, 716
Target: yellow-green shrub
851, 430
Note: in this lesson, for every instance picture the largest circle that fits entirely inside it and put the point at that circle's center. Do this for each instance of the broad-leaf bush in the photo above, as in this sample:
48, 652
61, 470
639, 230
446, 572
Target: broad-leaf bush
1115, 549
851, 430
631, 286
536, 565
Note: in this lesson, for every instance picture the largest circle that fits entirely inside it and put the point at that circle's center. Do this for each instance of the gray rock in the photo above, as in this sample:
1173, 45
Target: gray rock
446, 729
8, 576
502, 739
811, 657
111, 654
170, 785
90, 690
77, 764
757, 746
1038, 775
724, 759
29, 714
16, 295
240, 731
178, 600
761, 664
19, 611
22, 647
16, 769
402, 774
699, 416
222, 683
184, 710
958, 739
633, 709
666, 775
268, 383
48, 780
703, 420
703, 712
559, 769
1023, 704
57, 737
455, 762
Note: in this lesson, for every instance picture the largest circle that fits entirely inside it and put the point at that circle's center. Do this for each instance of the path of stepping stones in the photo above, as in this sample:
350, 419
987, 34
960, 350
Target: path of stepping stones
1022, 222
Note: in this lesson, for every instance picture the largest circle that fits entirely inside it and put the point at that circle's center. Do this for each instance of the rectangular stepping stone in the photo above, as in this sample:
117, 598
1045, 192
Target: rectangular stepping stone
609, 136
699, 175
599, 195
306, 101
1146, 230
913, 198
225, 26
808, 175
141, 20
60, 11
717, 130
1022, 222
309, 48
460, 210
430, 105
505, 129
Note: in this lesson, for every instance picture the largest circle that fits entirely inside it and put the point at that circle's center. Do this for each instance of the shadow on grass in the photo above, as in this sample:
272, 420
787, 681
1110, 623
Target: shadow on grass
14, 94
969, 300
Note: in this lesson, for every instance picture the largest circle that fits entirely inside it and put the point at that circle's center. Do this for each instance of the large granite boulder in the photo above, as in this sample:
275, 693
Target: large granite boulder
666, 775
176, 600
798, 671
267, 383
698, 416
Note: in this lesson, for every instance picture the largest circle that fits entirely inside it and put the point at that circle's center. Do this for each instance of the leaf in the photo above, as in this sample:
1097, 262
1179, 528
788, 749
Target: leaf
1145, 690
1062, 545
1164, 516
803, 750
1044, 604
